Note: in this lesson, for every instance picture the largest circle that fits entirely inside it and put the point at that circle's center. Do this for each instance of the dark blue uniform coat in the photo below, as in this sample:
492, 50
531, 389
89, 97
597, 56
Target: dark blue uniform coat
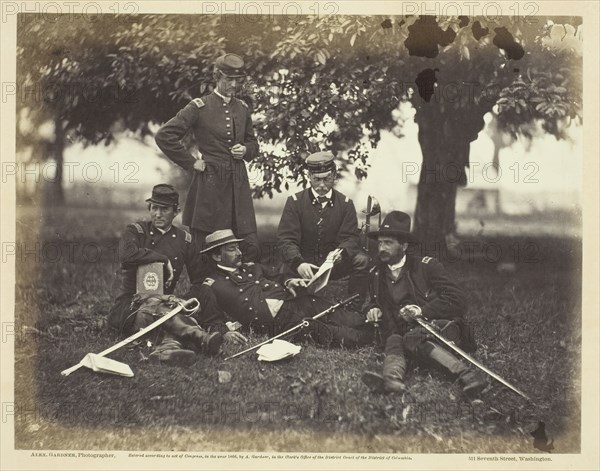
219, 197
142, 243
307, 232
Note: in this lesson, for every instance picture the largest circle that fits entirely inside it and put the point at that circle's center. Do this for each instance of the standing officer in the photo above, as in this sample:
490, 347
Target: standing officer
158, 240
221, 127
316, 221
397, 286
267, 301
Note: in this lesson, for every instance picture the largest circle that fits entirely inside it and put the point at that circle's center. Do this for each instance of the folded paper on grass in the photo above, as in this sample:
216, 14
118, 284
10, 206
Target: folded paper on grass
101, 364
277, 350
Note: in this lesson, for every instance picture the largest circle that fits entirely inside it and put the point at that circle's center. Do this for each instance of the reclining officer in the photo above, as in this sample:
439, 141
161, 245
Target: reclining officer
398, 286
266, 301
158, 240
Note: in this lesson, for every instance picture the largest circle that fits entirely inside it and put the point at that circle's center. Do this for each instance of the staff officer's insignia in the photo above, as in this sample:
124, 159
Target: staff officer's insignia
198, 102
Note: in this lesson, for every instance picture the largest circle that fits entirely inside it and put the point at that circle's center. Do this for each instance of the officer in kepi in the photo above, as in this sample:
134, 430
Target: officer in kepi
158, 240
403, 286
320, 219
223, 138
269, 302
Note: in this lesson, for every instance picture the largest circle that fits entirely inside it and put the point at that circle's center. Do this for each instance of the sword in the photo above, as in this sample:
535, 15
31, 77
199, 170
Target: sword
304, 323
181, 307
373, 209
465, 355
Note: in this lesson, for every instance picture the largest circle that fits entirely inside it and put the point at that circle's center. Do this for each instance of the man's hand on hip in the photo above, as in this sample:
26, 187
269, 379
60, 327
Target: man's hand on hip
200, 165
238, 151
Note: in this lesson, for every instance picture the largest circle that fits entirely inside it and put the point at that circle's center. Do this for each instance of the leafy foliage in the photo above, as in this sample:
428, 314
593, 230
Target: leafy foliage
331, 81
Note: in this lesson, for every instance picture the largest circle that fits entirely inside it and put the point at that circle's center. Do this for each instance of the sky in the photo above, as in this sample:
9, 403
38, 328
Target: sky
544, 174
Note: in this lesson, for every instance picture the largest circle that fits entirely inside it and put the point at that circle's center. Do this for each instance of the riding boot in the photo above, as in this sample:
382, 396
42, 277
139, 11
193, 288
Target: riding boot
187, 329
394, 364
171, 352
471, 381
394, 369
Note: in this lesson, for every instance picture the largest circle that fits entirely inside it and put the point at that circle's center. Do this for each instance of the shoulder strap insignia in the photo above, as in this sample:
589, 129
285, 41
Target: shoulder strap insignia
426, 259
249, 264
347, 199
244, 104
208, 282
373, 269
198, 102
188, 237
138, 227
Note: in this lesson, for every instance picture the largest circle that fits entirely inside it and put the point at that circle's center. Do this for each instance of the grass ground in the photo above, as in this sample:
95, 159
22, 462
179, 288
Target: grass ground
526, 317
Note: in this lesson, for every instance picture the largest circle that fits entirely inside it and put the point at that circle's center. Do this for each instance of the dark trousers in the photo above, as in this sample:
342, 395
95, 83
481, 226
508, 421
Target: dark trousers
125, 318
340, 327
358, 282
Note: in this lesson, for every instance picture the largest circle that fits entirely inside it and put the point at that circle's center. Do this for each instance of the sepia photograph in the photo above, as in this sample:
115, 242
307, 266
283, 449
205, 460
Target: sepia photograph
299, 234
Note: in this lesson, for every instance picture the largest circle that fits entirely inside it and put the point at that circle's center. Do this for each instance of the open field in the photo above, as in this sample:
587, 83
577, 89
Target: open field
526, 311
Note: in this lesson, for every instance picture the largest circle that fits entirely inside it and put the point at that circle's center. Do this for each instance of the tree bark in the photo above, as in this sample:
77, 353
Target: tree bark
445, 146
57, 190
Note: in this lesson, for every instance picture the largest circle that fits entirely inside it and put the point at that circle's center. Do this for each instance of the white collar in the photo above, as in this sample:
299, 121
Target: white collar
226, 99
327, 195
229, 269
398, 265
163, 231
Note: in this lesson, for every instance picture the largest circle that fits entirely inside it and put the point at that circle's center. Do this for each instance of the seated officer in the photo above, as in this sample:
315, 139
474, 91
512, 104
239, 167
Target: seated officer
158, 240
265, 301
316, 221
398, 287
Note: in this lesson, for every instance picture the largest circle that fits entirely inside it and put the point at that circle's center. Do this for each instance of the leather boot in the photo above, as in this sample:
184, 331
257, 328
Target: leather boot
394, 364
471, 381
188, 330
394, 368
374, 381
171, 352
206, 342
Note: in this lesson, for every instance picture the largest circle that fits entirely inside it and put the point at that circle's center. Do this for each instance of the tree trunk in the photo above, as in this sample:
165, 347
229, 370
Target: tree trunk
445, 148
57, 191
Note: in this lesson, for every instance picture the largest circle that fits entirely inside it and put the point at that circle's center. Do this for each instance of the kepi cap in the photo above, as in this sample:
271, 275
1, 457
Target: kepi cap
231, 65
320, 163
164, 194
